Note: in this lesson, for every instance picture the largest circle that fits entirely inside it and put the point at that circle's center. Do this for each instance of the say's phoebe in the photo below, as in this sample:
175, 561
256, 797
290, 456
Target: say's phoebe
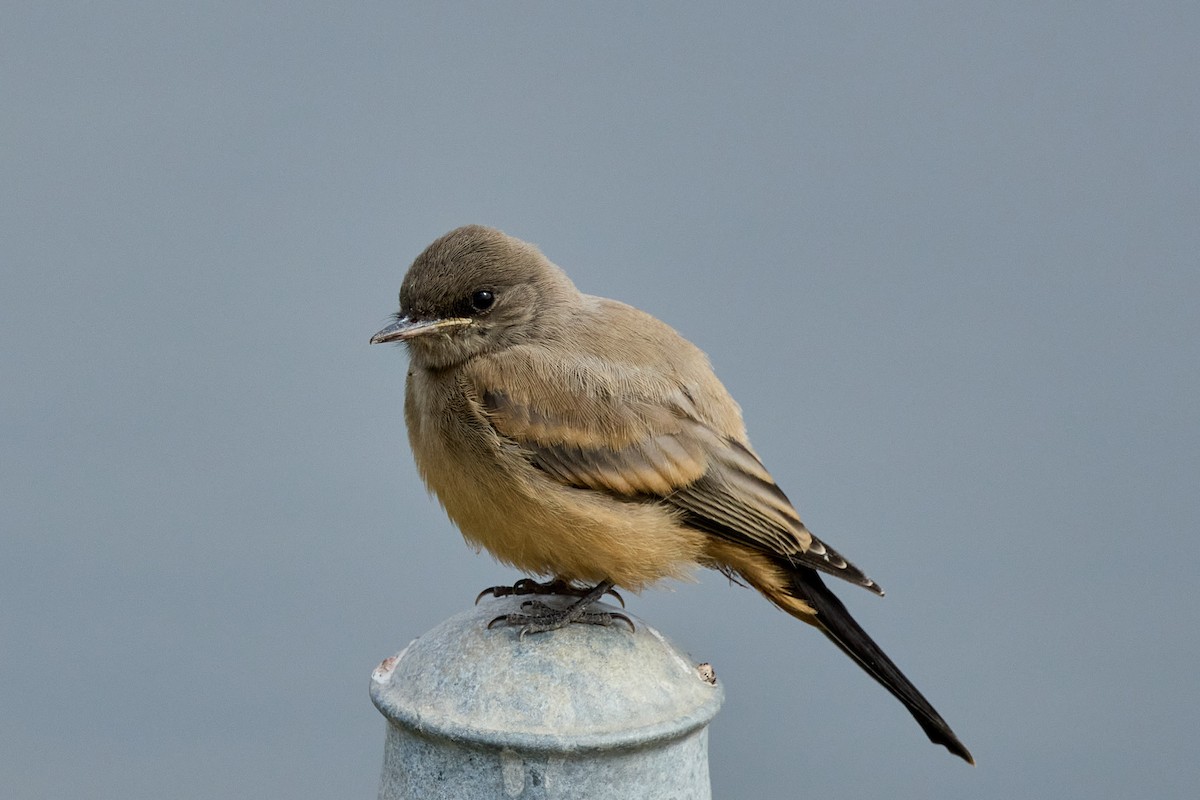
581, 439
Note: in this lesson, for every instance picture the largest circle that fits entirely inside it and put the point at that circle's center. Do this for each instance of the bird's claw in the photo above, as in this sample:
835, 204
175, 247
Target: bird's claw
538, 617
555, 587
523, 586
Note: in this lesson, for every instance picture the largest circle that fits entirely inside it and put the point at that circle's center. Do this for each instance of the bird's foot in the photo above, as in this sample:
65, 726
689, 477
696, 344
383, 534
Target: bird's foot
557, 587
536, 616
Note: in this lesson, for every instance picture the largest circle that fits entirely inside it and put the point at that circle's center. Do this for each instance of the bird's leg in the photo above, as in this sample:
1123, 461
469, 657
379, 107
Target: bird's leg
555, 587
538, 617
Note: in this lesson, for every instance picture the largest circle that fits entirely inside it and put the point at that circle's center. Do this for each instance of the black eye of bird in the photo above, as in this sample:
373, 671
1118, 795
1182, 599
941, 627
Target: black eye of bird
482, 300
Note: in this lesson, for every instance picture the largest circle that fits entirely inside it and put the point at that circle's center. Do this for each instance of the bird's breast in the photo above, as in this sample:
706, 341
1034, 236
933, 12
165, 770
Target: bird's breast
500, 501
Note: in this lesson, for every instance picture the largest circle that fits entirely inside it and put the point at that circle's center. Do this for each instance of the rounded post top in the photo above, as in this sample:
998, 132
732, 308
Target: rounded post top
577, 689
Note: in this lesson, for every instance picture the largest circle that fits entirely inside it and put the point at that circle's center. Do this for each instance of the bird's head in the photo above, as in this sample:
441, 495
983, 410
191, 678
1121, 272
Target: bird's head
476, 290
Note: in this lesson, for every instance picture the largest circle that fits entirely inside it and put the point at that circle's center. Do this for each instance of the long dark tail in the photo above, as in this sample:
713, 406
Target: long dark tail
838, 625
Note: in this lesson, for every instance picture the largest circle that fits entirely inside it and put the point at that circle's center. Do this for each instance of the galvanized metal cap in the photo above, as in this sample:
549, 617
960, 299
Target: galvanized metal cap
579, 689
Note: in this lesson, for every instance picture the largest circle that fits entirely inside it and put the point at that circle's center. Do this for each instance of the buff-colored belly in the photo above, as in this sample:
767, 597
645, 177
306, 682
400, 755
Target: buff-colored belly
527, 520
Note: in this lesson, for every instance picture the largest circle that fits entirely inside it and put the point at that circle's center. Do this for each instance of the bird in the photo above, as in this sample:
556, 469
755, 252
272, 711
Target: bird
582, 440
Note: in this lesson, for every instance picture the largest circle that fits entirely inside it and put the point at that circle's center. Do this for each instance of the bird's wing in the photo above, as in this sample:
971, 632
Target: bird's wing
646, 440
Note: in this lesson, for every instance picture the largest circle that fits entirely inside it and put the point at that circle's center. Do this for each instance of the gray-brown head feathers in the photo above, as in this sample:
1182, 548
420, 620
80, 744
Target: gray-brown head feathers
477, 290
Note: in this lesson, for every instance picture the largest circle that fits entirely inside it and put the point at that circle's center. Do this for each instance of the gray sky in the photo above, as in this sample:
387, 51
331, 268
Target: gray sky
945, 256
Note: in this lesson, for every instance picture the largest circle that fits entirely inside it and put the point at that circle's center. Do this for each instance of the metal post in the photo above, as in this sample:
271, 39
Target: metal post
581, 712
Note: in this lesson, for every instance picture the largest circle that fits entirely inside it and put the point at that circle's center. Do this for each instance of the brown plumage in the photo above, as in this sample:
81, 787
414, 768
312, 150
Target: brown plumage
579, 438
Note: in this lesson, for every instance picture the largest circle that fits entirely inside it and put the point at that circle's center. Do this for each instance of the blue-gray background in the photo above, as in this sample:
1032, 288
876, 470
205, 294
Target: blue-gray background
946, 257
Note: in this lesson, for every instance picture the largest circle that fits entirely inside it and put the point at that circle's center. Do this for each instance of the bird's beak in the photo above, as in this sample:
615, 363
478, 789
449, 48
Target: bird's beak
404, 328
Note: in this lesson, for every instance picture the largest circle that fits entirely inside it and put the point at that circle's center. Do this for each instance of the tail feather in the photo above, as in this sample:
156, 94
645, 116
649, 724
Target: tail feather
836, 623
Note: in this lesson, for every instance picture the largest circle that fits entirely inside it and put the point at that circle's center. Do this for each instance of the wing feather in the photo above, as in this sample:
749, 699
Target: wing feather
654, 446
